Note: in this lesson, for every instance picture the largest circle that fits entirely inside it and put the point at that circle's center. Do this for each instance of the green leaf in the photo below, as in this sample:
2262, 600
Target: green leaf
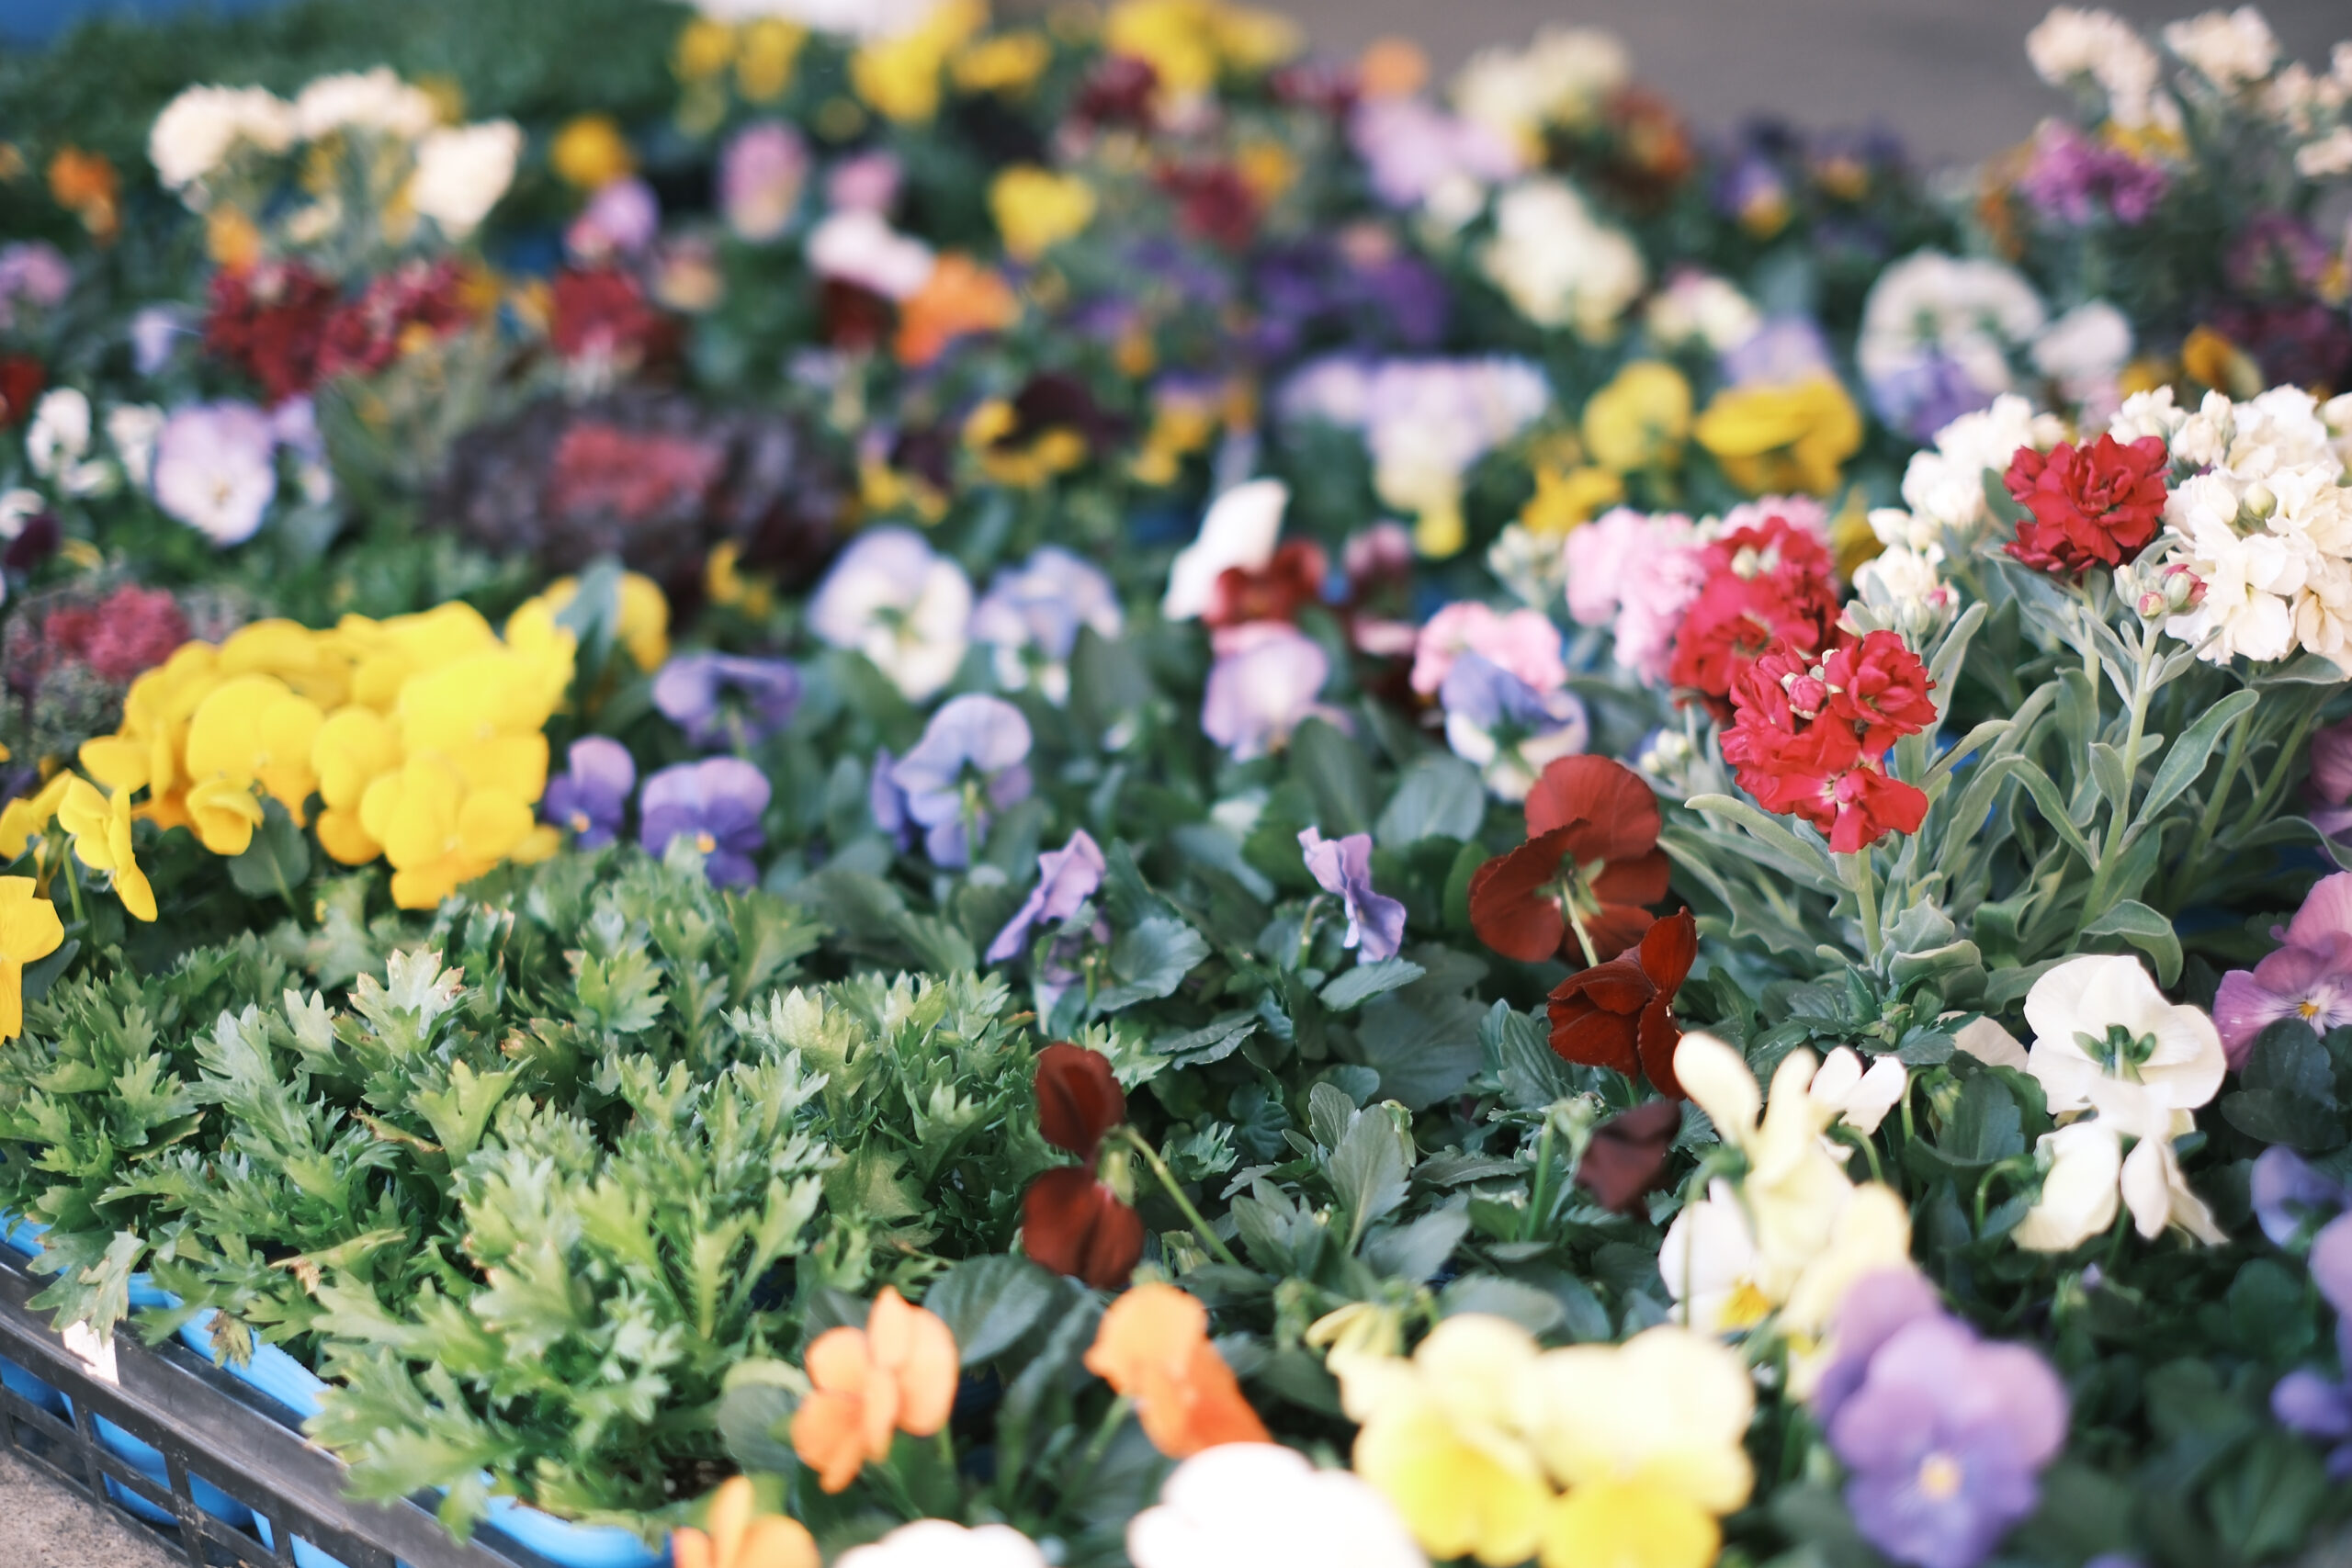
460, 1114
1441, 796
2145, 929
1985, 1127
990, 1303
1808, 857
1366, 981
2286, 1090
1213, 1042
1149, 961
1538, 1312
1418, 1251
278, 859
1423, 1045
1337, 780
2052, 809
1518, 1048
2184, 758
755, 1408
1368, 1170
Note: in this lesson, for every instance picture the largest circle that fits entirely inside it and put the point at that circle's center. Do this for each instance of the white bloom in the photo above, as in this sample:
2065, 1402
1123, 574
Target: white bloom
1033, 614
1262, 1506
1860, 1099
2083, 351
2100, 1016
1984, 1039
1944, 488
2086, 1174
2230, 49
197, 130
861, 247
132, 429
1238, 531
462, 171
865, 19
215, 469
941, 1544
368, 100
2251, 580
1700, 307
1560, 78
1931, 317
2326, 158
1901, 590
907, 610
2071, 44
57, 445
1557, 263
1533, 567
2148, 413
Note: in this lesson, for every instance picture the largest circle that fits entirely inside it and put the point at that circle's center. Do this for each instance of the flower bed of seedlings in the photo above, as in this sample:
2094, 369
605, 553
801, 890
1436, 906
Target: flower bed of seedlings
852, 785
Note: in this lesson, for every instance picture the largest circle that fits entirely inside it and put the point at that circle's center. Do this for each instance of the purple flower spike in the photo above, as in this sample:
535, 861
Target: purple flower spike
1945, 1440
717, 803
1067, 878
969, 766
1343, 866
591, 795
720, 697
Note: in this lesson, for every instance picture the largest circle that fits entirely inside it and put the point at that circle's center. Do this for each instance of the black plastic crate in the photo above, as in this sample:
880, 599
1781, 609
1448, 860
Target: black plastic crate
213, 1428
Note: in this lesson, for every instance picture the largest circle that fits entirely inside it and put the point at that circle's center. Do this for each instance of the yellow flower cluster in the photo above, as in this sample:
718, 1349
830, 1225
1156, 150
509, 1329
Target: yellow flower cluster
1188, 43
899, 76
1636, 423
1036, 208
1491, 1448
1783, 439
30, 932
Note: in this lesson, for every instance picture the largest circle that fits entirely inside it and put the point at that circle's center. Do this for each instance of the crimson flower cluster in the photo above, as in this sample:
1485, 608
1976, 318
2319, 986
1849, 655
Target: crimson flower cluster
600, 313
1071, 1222
290, 328
1765, 583
2097, 504
1809, 737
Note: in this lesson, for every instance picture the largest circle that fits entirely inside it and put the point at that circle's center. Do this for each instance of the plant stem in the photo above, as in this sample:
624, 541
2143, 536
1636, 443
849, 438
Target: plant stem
1538, 1191
1209, 1238
1576, 924
1864, 883
2210, 819
73, 887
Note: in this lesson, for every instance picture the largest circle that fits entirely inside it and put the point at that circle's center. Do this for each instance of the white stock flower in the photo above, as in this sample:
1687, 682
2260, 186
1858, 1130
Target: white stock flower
2230, 49
2326, 158
1901, 590
1944, 486
1560, 78
2072, 43
1263, 1505
374, 101
462, 171
1557, 263
197, 130
942, 1543
1240, 530
908, 610
861, 247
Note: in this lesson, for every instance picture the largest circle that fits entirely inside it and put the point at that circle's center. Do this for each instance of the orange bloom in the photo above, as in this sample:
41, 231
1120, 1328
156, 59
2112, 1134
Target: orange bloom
1154, 1348
961, 296
897, 1374
84, 184
736, 1539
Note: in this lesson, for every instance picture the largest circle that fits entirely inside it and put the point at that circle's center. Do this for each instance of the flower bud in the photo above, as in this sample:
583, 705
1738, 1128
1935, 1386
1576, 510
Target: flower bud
2257, 504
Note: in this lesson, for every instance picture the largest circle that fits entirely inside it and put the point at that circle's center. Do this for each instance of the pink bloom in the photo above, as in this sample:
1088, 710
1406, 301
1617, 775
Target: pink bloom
2331, 781
1523, 642
1263, 685
2327, 912
2313, 983
1640, 572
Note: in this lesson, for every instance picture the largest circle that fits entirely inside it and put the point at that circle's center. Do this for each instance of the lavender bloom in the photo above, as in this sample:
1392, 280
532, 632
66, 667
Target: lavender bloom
2072, 178
1417, 154
1505, 726
2304, 1401
1031, 616
1263, 686
2312, 982
886, 801
1874, 1308
215, 469
760, 179
969, 765
2330, 789
154, 331
591, 795
622, 219
720, 697
718, 804
1922, 396
1343, 866
1784, 350
2288, 1194
35, 271
1945, 1440
1067, 878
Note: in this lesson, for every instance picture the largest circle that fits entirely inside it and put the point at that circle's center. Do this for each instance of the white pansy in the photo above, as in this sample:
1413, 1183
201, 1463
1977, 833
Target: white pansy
462, 171
861, 247
1557, 263
2084, 352
908, 610
2081, 1184
2230, 49
1984, 1039
1859, 1097
2133, 1033
1239, 532
1962, 315
1700, 307
2087, 1176
1263, 1505
374, 101
942, 1543
57, 445
197, 130
132, 430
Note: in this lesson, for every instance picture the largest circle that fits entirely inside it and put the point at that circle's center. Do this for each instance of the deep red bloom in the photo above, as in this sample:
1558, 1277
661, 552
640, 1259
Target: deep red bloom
1079, 1101
1073, 1225
21, 379
1627, 1155
1593, 824
1118, 91
1771, 580
1293, 579
2098, 504
364, 334
1213, 203
606, 469
854, 318
600, 312
1807, 738
127, 632
1621, 1014
1879, 686
270, 322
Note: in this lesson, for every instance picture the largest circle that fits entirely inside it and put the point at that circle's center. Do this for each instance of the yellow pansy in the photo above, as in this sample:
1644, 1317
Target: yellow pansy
1252, 39
101, 830
27, 816
770, 48
484, 715
1036, 208
899, 77
1441, 1438
224, 813
590, 151
1566, 497
313, 665
439, 834
1647, 1440
252, 729
644, 628
1010, 62
1641, 419
356, 747
30, 932
1773, 440
725, 582
385, 654
1189, 42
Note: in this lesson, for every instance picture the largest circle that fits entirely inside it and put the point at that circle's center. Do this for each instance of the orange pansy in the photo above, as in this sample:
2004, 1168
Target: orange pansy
1153, 1347
897, 1374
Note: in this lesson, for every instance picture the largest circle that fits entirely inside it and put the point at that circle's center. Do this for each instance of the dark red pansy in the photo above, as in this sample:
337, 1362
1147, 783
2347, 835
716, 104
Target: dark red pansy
1626, 1159
1592, 827
1620, 1014
1287, 583
1078, 1099
1074, 1225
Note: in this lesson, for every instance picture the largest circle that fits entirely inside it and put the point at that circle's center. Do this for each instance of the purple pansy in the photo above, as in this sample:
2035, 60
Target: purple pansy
1263, 686
2330, 789
2306, 1401
969, 764
1785, 349
591, 795
722, 698
886, 801
717, 803
1874, 1306
1505, 726
1067, 878
1032, 613
2310, 977
1944, 1436
1343, 866
2288, 1195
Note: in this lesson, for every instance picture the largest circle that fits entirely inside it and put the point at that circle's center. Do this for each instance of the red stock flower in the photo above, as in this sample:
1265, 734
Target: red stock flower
1626, 1158
270, 322
1292, 579
2098, 504
600, 313
1773, 579
21, 379
1071, 1222
1621, 1014
1807, 738
636, 476
1592, 850
364, 335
